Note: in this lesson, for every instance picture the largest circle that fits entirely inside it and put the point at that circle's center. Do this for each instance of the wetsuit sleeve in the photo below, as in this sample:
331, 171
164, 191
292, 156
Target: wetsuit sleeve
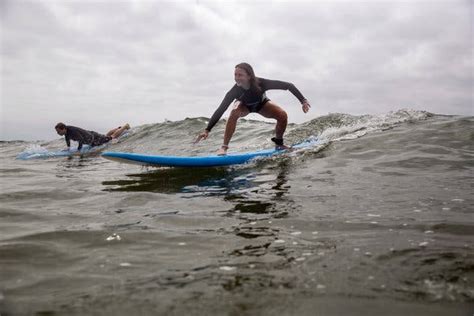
267, 84
74, 133
79, 138
230, 96
68, 141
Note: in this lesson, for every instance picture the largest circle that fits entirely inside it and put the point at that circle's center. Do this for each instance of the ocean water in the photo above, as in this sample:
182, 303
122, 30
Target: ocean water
378, 220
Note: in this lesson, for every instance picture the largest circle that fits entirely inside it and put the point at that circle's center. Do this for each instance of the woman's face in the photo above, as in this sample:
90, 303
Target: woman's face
242, 78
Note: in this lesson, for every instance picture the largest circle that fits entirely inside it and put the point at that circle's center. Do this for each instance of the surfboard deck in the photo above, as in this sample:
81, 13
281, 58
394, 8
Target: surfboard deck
196, 161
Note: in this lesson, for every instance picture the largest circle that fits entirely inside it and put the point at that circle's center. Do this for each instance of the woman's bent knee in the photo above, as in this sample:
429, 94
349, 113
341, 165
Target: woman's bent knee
282, 116
234, 115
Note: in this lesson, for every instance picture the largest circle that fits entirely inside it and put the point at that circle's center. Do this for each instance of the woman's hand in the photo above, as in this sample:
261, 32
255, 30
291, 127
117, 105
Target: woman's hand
203, 135
306, 106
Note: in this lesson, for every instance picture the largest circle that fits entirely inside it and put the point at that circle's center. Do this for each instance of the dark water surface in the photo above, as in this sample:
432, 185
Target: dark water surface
376, 221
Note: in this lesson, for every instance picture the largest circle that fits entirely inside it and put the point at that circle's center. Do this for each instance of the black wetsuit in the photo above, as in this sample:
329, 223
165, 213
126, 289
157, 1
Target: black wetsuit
253, 100
84, 137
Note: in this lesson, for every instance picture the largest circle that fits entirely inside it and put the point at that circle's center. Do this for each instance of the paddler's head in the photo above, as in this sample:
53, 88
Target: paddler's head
60, 129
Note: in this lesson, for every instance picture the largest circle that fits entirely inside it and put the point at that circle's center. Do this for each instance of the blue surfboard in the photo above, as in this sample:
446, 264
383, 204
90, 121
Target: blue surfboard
197, 161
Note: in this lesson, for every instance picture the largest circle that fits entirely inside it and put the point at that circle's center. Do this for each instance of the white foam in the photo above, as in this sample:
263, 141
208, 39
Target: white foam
114, 236
227, 268
356, 127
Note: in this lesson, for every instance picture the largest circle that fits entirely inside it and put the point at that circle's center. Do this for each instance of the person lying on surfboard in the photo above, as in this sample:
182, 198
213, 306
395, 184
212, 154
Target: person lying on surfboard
249, 93
88, 137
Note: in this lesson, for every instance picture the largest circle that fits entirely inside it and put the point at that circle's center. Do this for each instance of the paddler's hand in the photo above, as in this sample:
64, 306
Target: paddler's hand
306, 106
203, 135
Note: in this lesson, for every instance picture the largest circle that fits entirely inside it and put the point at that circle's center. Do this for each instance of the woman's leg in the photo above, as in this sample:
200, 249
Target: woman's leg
117, 132
237, 112
274, 111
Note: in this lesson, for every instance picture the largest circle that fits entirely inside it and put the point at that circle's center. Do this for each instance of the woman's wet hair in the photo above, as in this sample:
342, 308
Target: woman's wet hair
254, 83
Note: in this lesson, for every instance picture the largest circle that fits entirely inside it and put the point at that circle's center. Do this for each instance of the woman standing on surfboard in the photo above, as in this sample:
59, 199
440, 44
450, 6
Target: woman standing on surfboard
249, 93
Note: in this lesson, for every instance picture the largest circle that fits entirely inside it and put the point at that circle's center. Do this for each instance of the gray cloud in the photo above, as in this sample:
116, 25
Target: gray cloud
97, 64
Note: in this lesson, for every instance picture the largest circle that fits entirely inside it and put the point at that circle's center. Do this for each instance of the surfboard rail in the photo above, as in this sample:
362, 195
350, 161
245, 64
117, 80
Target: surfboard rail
185, 161
198, 161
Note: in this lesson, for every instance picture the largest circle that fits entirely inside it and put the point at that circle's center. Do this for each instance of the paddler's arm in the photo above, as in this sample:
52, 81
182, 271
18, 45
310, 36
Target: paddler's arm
78, 137
68, 141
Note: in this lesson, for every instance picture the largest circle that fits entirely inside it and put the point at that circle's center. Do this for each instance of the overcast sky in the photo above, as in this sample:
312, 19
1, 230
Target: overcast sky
98, 64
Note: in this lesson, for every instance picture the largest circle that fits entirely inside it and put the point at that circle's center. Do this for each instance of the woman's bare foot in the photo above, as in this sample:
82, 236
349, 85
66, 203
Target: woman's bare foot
222, 151
282, 147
